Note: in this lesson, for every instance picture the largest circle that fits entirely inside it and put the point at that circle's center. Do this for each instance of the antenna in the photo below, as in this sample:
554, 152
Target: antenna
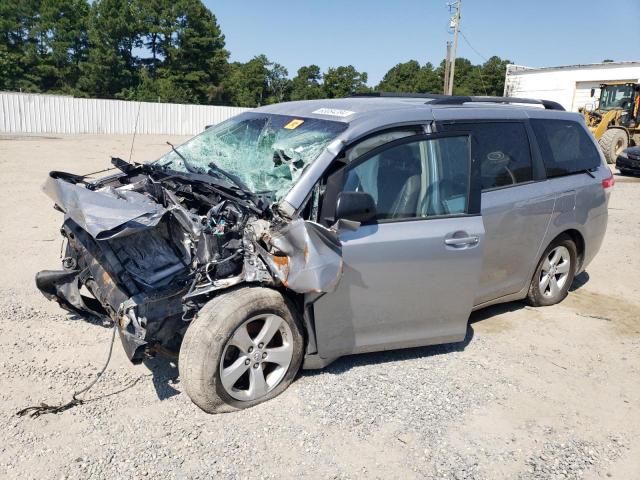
135, 130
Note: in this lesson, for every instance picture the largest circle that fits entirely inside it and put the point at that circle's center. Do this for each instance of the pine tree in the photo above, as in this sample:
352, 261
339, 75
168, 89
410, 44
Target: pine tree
18, 46
343, 81
113, 33
61, 29
196, 60
306, 85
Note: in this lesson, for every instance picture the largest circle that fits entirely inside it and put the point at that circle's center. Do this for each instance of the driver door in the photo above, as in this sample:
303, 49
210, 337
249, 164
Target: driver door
411, 274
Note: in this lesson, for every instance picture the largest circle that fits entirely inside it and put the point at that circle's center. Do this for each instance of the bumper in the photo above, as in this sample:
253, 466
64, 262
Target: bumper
63, 287
628, 164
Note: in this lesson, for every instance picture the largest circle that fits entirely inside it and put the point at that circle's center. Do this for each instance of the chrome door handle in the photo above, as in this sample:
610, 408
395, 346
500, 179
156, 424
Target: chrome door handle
457, 242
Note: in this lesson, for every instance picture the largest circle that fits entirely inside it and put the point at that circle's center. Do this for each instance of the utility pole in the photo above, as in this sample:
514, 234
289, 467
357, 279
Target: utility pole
447, 66
455, 24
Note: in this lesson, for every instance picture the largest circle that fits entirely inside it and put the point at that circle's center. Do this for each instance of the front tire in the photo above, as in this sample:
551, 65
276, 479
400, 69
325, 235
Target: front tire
244, 347
613, 142
554, 274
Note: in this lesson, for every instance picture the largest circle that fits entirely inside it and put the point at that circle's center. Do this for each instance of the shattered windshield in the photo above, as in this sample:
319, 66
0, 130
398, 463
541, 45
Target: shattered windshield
264, 153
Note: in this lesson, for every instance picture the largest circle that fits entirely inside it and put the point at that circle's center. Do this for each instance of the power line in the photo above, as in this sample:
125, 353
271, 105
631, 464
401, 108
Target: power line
464, 37
481, 56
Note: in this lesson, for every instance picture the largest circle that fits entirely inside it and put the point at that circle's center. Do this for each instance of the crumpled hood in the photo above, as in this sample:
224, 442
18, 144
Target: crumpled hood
105, 213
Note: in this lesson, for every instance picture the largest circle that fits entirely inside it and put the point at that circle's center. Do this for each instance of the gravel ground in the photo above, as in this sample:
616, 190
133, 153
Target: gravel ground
551, 393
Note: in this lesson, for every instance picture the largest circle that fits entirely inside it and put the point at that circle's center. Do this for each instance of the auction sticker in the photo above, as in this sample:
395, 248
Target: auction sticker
334, 112
293, 124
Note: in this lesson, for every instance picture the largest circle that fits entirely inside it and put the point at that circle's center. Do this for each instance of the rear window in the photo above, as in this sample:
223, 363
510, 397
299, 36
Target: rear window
565, 146
502, 149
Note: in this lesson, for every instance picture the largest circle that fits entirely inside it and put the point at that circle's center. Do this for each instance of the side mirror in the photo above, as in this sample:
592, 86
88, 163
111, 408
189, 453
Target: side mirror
356, 206
593, 92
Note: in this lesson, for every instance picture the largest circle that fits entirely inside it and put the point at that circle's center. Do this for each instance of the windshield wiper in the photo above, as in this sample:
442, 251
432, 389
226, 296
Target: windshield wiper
184, 160
232, 178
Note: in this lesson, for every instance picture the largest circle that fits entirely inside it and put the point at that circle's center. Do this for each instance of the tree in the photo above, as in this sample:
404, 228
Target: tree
247, 83
158, 18
411, 77
196, 58
278, 83
61, 29
343, 81
306, 84
114, 31
18, 47
494, 71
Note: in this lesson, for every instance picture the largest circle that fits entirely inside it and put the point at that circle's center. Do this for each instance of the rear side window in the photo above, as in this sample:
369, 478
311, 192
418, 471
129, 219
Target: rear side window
503, 150
565, 146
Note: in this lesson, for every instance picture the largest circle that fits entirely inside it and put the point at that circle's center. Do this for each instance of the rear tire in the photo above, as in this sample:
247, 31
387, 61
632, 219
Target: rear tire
613, 142
224, 363
554, 274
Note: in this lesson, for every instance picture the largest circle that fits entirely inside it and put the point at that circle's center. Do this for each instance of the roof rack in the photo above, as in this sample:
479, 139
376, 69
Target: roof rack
437, 99
459, 100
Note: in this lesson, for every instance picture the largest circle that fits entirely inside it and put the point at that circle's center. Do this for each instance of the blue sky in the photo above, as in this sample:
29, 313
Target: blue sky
374, 35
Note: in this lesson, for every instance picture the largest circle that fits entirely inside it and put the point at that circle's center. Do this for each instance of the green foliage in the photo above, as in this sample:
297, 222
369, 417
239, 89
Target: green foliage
174, 51
342, 81
411, 77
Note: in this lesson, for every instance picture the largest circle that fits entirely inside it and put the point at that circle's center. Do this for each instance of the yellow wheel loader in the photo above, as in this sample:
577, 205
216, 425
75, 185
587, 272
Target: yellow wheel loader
615, 122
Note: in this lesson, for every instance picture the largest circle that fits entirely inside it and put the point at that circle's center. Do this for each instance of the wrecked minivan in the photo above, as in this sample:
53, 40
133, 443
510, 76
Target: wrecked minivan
300, 232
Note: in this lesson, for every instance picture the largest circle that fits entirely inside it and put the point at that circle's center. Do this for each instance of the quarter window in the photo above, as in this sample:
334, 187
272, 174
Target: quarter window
416, 179
565, 146
503, 151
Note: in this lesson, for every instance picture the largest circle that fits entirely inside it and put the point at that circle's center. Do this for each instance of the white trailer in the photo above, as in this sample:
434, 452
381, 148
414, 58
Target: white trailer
568, 85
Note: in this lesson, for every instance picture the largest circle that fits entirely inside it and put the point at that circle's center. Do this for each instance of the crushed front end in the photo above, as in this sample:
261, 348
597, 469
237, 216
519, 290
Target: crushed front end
148, 247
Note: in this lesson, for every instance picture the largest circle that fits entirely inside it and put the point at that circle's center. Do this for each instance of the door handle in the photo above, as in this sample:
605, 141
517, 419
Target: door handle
460, 241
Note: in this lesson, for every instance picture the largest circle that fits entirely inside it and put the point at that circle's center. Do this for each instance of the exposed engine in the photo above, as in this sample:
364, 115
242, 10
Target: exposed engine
152, 247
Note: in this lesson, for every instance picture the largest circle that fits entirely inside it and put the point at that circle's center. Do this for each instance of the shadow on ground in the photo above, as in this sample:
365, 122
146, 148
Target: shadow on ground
164, 375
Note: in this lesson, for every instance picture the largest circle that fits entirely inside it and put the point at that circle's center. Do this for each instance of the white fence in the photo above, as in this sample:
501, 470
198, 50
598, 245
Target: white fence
35, 113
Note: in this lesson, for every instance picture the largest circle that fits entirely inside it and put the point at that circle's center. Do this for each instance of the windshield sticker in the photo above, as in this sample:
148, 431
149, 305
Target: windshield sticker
334, 112
293, 124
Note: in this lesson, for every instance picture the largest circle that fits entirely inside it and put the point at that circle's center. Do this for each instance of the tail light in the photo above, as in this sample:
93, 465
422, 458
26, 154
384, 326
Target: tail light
609, 181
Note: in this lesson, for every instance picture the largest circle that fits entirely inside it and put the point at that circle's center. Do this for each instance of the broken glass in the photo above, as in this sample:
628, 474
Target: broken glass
266, 152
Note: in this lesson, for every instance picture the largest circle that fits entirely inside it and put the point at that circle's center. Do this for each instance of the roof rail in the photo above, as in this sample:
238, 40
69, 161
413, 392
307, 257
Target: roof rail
459, 100
438, 99
394, 95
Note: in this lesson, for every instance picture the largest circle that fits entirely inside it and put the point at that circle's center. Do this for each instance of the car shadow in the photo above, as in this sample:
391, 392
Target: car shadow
164, 375
579, 281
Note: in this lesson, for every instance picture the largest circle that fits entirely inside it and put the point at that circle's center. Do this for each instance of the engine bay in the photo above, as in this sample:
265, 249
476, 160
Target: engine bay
152, 246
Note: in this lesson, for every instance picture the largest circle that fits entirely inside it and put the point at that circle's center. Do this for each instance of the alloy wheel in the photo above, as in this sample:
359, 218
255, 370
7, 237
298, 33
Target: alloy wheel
555, 271
256, 357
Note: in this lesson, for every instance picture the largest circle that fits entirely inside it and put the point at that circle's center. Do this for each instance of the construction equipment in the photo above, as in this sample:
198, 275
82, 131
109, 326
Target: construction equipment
615, 121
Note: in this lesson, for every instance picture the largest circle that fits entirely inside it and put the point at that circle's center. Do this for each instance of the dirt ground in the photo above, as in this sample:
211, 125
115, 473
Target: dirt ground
531, 393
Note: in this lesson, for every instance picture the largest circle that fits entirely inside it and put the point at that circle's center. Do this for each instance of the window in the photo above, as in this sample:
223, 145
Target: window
565, 146
416, 179
503, 151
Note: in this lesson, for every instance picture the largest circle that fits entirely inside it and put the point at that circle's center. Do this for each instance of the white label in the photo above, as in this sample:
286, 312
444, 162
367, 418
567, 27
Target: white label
334, 112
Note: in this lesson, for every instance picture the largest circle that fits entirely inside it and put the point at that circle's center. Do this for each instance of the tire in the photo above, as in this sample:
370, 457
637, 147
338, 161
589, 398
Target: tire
612, 142
542, 293
225, 337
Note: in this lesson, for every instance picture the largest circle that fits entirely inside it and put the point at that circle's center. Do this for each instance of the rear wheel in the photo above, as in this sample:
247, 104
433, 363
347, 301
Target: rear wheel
245, 347
554, 274
613, 142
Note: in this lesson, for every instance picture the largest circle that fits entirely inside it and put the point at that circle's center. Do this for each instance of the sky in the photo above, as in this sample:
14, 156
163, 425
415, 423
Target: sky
375, 35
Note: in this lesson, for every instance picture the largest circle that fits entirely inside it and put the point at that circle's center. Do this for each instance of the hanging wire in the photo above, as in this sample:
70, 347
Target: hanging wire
484, 87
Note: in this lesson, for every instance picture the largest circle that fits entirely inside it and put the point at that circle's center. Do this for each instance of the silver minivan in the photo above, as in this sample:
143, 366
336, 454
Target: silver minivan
301, 232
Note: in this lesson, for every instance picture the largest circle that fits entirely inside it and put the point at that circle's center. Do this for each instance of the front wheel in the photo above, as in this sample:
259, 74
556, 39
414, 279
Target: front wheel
554, 273
245, 347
